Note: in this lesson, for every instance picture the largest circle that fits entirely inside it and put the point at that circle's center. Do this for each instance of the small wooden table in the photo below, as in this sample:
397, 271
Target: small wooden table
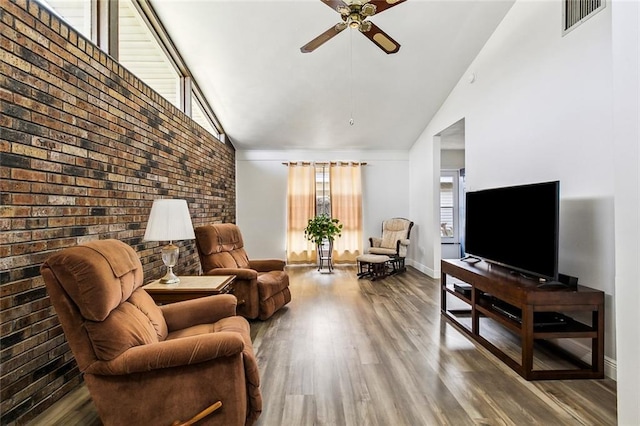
190, 287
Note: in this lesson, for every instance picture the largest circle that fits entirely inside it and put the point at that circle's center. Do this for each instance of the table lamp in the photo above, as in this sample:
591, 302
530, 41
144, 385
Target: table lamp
169, 220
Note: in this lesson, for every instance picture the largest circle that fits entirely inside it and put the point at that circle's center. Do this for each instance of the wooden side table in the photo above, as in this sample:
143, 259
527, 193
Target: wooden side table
190, 287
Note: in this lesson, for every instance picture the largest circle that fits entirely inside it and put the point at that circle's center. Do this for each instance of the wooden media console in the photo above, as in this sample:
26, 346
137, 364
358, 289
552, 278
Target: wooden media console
533, 312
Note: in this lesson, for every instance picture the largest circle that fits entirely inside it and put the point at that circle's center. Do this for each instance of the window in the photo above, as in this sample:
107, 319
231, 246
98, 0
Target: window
77, 13
449, 210
143, 48
332, 189
199, 116
323, 193
142, 54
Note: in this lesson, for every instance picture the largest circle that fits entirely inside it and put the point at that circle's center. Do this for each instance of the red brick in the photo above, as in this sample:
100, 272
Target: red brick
28, 175
15, 211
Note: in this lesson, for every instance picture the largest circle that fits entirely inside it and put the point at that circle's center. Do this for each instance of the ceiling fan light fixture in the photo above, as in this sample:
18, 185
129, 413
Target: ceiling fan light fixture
343, 10
368, 9
365, 26
354, 21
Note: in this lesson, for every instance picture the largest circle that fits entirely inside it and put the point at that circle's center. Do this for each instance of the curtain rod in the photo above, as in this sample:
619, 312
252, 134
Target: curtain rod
308, 163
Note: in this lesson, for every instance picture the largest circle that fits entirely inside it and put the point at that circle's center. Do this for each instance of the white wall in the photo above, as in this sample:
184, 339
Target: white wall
261, 194
540, 109
626, 134
452, 159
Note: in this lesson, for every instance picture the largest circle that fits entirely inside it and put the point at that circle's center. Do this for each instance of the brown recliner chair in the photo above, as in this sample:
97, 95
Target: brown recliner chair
261, 286
145, 364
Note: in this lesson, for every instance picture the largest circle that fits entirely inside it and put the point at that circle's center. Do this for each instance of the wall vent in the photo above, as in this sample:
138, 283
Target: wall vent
575, 12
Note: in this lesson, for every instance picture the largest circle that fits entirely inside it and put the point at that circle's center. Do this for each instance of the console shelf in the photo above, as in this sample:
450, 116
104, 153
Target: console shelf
493, 287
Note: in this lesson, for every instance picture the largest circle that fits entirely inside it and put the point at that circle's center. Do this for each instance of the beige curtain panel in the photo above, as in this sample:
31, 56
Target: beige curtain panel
301, 200
346, 205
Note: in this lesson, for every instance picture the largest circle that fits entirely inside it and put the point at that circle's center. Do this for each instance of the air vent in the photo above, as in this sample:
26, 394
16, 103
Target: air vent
575, 12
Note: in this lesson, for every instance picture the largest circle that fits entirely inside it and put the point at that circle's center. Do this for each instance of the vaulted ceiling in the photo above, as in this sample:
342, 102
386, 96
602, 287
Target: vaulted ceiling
245, 56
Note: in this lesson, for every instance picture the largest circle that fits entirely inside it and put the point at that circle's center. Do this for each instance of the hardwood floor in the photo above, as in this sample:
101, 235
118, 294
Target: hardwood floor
355, 352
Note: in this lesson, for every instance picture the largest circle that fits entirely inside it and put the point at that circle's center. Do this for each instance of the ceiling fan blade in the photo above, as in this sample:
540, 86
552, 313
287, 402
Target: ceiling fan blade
382, 5
334, 4
322, 38
381, 39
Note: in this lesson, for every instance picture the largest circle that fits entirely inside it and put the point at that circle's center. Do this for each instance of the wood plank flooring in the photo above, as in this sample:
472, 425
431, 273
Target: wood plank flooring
355, 352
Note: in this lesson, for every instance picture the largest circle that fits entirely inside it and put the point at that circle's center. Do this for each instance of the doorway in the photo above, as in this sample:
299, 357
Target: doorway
452, 190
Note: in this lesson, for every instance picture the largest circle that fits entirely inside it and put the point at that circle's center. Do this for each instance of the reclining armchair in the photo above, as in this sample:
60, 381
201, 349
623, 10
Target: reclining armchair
149, 364
261, 286
394, 242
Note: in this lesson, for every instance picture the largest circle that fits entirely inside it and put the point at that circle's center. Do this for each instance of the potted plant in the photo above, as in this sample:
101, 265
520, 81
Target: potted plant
322, 230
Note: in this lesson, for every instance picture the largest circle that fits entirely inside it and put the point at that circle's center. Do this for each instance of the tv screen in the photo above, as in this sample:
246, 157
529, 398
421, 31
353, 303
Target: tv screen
516, 227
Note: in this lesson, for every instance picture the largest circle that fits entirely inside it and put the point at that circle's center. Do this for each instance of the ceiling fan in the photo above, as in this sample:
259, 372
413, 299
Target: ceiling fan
354, 15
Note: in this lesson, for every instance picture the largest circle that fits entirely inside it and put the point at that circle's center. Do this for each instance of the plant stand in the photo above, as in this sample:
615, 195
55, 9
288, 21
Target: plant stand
325, 253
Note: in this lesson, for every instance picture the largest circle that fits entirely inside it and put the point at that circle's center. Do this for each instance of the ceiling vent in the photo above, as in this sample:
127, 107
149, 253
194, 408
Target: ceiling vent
575, 12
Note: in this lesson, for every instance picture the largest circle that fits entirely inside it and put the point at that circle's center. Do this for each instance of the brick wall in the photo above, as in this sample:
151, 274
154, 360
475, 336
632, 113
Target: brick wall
85, 148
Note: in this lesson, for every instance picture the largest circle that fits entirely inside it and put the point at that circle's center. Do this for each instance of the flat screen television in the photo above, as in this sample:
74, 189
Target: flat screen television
516, 227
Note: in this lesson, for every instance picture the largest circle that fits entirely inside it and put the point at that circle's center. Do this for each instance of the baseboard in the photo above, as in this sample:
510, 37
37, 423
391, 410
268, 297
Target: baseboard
422, 268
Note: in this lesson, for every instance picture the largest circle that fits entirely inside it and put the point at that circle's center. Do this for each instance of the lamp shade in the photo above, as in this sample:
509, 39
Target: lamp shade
169, 220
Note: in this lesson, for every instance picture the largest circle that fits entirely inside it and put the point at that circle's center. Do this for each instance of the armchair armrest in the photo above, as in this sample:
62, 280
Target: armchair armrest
375, 242
204, 310
266, 265
171, 353
240, 273
402, 247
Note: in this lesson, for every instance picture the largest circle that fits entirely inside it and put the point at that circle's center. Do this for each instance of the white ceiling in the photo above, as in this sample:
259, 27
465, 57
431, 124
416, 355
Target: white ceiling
245, 56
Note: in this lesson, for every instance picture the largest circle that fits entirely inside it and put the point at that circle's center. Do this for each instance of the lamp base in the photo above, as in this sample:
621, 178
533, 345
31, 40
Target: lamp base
170, 277
170, 254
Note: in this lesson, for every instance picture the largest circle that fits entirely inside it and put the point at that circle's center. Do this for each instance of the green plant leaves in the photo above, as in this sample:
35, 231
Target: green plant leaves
322, 227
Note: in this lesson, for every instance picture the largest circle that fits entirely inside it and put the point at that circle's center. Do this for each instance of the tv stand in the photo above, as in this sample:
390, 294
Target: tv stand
534, 313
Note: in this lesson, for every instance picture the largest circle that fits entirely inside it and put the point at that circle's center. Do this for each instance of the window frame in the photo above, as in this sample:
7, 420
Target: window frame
454, 175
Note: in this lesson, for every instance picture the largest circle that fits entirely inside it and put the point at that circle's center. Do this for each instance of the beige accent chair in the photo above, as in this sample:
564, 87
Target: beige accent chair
261, 286
145, 364
394, 242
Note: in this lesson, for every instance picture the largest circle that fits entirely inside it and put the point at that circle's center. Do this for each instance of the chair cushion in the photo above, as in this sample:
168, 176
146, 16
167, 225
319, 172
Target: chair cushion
98, 276
372, 258
137, 321
145, 303
221, 246
227, 259
270, 283
392, 231
381, 250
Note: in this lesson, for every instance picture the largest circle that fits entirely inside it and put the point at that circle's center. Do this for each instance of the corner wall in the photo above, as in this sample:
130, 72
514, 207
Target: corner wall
85, 148
539, 109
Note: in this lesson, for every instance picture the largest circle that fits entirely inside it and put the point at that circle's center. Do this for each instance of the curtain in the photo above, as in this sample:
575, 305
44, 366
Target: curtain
301, 201
346, 205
